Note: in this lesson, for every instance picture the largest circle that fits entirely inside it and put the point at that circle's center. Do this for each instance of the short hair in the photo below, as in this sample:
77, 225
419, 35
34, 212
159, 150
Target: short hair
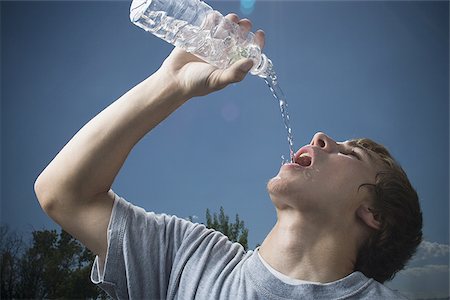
396, 206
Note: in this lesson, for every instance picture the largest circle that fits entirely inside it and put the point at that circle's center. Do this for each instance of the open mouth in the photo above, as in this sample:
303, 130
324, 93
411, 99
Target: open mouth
304, 160
304, 157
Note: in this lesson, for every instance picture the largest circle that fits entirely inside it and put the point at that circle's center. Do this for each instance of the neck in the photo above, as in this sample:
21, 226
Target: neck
302, 248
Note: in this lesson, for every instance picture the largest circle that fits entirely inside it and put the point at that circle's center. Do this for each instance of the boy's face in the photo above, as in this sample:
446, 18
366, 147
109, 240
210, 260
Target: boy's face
325, 178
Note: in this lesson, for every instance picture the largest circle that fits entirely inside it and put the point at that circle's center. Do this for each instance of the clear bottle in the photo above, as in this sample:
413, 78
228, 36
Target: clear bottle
194, 26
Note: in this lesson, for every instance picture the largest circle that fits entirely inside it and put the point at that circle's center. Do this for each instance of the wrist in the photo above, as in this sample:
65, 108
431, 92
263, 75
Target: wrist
165, 86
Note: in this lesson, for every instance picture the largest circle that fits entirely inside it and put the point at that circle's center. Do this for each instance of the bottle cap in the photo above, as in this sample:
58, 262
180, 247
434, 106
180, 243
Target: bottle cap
138, 7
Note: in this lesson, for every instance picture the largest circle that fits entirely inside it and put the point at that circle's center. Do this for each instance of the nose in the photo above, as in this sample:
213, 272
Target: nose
324, 142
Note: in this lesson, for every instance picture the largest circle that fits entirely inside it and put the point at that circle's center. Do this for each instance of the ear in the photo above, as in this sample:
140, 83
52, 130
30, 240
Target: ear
366, 214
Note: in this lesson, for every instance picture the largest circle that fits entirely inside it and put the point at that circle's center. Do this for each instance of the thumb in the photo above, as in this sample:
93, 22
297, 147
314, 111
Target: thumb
236, 72
244, 65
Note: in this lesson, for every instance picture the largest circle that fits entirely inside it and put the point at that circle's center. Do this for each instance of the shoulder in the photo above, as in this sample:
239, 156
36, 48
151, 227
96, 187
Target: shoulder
133, 218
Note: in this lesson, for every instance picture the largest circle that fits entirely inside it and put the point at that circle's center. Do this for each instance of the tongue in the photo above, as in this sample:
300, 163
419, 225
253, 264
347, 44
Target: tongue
304, 161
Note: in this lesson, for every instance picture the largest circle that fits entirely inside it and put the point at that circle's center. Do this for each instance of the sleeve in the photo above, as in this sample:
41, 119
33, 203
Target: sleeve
141, 249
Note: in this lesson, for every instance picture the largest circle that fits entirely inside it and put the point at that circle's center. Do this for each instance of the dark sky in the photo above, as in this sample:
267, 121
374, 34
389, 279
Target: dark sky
351, 69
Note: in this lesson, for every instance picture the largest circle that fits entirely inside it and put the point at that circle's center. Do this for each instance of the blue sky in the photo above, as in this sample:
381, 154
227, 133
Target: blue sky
350, 69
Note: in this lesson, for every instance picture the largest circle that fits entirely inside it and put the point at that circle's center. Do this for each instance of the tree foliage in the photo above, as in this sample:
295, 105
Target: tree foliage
11, 246
52, 266
236, 232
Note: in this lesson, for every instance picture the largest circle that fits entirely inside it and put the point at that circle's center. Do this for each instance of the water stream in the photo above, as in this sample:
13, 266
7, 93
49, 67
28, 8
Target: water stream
272, 82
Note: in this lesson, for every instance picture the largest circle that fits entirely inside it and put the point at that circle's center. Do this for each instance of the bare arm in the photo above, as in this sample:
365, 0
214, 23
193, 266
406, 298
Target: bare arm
74, 189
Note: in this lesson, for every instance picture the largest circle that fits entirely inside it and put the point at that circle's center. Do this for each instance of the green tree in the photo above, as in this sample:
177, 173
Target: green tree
52, 266
236, 232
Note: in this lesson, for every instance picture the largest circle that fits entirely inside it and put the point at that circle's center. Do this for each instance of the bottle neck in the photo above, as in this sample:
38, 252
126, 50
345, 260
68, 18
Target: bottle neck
264, 68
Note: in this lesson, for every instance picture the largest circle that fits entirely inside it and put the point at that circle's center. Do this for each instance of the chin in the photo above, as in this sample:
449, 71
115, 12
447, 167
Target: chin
278, 186
281, 192
287, 191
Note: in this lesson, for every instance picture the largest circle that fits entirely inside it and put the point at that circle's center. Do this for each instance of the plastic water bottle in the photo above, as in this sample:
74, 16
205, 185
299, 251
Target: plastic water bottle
194, 26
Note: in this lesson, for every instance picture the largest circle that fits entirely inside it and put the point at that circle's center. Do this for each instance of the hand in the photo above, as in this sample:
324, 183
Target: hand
194, 77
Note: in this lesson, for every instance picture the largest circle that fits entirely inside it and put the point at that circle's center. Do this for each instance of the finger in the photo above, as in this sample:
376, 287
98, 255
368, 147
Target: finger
232, 17
227, 25
245, 25
260, 38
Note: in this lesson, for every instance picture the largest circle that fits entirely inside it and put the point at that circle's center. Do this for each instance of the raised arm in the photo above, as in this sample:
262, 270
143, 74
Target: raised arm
74, 189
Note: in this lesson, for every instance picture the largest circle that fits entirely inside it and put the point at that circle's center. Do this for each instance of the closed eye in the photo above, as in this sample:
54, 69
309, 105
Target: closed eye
349, 150
353, 153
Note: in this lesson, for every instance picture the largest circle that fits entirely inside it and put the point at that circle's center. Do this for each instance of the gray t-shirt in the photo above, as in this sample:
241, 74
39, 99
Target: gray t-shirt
156, 256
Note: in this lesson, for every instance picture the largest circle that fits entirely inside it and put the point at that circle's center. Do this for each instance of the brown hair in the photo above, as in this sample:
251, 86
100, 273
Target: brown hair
396, 206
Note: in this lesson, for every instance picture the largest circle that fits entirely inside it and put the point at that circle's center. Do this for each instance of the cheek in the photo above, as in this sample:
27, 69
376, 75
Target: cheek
346, 183
329, 183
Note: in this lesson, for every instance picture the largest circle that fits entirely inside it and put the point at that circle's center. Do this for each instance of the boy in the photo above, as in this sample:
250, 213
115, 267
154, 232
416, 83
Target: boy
348, 218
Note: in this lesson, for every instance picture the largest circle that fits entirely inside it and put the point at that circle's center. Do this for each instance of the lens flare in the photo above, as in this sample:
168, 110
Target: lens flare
247, 6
